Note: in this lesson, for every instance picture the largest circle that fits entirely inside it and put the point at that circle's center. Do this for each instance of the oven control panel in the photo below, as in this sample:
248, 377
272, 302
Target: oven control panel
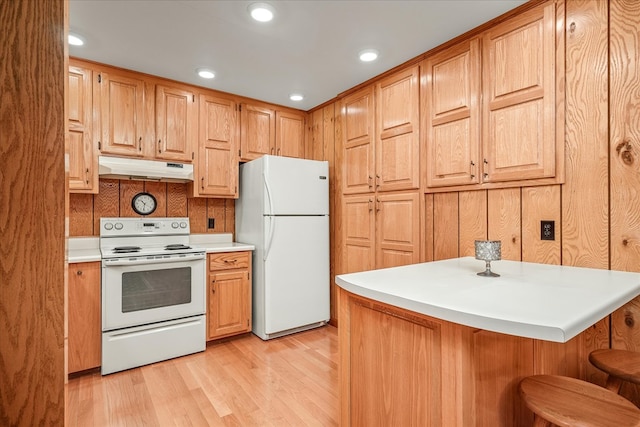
111, 227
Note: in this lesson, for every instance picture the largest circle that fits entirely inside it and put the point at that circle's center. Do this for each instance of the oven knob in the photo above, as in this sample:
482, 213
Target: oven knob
183, 224
118, 226
108, 226
174, 225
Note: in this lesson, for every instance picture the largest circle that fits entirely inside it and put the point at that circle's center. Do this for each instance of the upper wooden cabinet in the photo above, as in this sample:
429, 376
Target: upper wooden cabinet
452, 129
176, 118
217, 162
264, 130
142, 119
490, 104
381, 150
122, 114
83, 160
289, 134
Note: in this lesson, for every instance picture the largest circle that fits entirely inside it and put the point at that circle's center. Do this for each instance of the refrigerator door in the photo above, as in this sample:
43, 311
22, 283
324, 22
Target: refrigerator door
296, 268
295, 186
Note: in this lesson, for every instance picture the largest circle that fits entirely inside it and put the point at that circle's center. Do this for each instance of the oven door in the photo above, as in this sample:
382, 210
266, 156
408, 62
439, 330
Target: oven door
139, 291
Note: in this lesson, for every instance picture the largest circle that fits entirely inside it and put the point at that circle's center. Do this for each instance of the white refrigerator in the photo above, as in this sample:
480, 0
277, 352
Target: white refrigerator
283, 210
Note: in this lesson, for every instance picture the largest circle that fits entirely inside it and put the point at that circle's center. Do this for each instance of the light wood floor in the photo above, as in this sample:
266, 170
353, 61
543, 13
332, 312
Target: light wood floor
289, 381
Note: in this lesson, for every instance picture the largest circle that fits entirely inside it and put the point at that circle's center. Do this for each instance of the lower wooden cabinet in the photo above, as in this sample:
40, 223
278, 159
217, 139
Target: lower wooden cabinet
84, 316
229, 294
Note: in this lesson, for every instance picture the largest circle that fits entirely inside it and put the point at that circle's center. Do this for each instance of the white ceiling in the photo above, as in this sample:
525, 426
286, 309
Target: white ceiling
310, 47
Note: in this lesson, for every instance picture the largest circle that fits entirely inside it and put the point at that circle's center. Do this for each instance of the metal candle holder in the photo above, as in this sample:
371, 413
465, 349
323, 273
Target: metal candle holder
487, 251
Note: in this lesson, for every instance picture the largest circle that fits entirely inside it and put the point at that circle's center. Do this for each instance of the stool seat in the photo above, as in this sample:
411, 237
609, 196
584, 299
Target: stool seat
569, 402
619, 364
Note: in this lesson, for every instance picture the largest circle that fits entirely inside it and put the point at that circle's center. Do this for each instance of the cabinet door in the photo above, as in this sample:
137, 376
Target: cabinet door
83, 177
229, 303
519, 97
289, 134
397, 229
358, 148
257, 132
452, 112
358, 225
397, 150
122, 119
217, 158
85, 328
176, 115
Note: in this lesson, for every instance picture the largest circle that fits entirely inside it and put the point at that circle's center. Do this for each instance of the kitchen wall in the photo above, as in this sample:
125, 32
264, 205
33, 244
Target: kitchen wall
114, 200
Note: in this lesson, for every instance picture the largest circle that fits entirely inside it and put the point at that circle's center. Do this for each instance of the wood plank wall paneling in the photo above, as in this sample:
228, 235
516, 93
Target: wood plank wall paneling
32, 218
504, 221
473, 214
585, 193
114, 200
624, 160
538, 204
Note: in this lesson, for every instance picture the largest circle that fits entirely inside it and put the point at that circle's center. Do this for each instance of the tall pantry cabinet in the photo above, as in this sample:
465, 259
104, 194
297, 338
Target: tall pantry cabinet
380, 167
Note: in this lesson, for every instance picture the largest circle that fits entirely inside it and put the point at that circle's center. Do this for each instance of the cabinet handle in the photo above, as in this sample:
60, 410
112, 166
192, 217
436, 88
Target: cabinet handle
278, 151
230, 261
485, 174
272, 150
370, 181
472, 170
140, 144
370, 205
377, 181
213, 286
79, 272
159, 146
202, 182
87, 175
378, 205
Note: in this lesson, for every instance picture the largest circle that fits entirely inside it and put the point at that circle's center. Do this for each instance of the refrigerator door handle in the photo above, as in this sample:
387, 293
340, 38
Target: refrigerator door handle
272, 227
266, 186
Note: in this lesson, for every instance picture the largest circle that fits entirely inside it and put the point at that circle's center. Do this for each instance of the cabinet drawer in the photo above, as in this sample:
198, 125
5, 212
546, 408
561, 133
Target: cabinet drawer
228, 260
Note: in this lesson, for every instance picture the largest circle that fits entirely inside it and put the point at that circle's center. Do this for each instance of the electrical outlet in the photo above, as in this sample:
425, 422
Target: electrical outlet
547, 230
212, 223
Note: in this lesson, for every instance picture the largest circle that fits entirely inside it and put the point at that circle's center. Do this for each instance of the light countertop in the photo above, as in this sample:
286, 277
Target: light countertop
87, 249
540, 301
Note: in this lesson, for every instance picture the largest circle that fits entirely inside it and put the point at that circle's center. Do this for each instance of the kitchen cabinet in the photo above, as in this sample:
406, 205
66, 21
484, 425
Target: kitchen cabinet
84, 316
217, 163
139, 118
289, 134
121, 108
176, 118
380, 231
257, 131
381, 151
83, 153
264, 130
490, 104
229, 294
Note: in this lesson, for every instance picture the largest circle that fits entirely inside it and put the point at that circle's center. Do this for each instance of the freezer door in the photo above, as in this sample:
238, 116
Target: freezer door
296, 272
295, 186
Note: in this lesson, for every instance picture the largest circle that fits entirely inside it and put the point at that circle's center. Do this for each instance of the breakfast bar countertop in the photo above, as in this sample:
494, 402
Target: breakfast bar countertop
540, 301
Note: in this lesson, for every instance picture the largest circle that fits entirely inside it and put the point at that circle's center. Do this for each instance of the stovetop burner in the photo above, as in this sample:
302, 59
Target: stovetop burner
126, 249
176, 246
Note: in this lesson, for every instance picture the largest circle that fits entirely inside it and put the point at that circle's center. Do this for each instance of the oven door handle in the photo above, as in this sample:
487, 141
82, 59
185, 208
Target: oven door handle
151, 260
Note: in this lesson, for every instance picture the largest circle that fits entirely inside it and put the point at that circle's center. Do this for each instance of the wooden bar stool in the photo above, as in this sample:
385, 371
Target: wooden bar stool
567, 402
621, 365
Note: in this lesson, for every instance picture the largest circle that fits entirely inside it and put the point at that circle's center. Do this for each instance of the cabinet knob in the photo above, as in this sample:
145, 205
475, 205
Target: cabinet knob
79, 272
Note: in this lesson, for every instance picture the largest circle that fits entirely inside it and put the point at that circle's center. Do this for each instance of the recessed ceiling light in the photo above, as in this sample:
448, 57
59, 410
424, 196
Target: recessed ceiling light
296, 97
262, 12
75, 40
206, 73
368, 55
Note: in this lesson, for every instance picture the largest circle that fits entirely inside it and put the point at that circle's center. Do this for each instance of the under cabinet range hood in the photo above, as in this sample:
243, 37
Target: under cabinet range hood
146, 170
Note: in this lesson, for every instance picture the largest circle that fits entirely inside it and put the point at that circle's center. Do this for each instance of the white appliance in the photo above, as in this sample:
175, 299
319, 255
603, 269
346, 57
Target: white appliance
153, 292
283, 210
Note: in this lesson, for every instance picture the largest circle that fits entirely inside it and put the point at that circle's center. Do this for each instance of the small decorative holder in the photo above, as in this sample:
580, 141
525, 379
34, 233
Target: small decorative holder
487, 251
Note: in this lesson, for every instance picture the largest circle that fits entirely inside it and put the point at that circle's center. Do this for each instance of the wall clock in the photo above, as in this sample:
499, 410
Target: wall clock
144, 203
